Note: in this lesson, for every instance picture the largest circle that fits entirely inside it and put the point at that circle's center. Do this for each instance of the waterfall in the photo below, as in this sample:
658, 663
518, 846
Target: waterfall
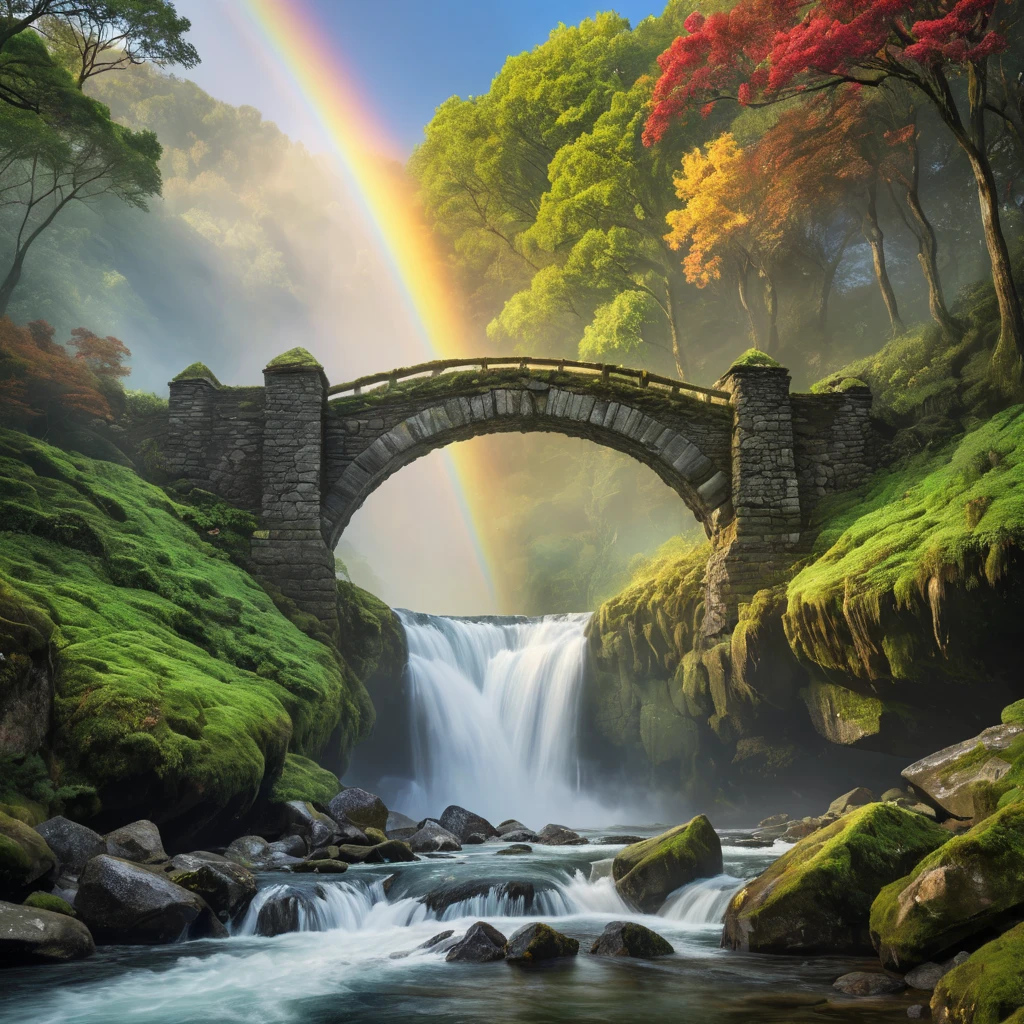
702, 904
494, 711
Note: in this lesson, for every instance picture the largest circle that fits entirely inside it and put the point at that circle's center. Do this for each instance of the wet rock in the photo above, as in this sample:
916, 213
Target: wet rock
434, 942
440, 856
252, 852
304, 820
440, 898
475, 839
24, 858
752, 844
432, 838
291, 846
775, 819
559, 835
282, 861
518, 836
816, 898
29, 935
645, 873
481, 944
968, 886
226, 887
191, 861
393, 851
278, 916
848, 801
463, 823
538, 941
868, 983
123, 902
71, 843
620, 840
349, 835
359, 807
948, 777
375, 835
514, 850
510, 825
138, 842
918, 1012
625, 938
359, 854
927, 976
320, 867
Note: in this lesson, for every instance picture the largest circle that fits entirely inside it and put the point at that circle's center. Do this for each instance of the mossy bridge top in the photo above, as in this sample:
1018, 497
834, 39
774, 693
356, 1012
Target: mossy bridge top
748, 458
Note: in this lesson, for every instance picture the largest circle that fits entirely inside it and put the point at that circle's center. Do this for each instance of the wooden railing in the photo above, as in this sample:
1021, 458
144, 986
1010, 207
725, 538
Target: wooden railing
607, 371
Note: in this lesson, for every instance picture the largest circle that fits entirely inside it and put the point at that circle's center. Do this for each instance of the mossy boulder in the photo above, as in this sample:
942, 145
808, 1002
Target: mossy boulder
375, 835
303, 779
988, 988
816, 898
646, 873
24, 857
536, 942
30, 935
969, 885
47, 901
298, 357
627, 938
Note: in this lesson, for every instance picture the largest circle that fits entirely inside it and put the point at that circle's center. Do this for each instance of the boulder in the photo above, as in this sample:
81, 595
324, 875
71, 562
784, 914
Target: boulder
620, 840
47, 901
304, 820
463, 823
349, 835
868, 983
290, 846
435, 941
538, 941
476, 839
252, 852
24, 857
927, 976
986, 988
440, 898
375, 835
123, 902
626, 938
399, 821
645, 873
431, 838
523, 835
948, 777
360, 808
510, 825
816, 898
773, 821
481, 944
855, 798
138, 842
394, 851
894, 794
559, 835
358, 854
29, 935
514, 850
320, 867
72, 844
967, 886
226, 887
279, 915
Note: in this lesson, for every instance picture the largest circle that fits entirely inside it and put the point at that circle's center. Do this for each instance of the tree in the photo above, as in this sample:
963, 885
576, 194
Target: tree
104, 356
47, 163
726, 227
764, 51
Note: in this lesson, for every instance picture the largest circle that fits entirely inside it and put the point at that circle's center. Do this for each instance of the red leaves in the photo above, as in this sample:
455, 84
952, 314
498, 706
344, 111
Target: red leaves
767, 49
102, 355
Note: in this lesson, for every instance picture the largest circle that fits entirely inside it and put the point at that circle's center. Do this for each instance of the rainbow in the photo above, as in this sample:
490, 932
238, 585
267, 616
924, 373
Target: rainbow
289, 33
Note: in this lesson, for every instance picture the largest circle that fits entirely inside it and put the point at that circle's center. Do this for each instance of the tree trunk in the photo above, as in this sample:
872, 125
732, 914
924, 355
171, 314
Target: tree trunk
1010, 348
673, 330
743, 273
771, 306
10, 282
873, 234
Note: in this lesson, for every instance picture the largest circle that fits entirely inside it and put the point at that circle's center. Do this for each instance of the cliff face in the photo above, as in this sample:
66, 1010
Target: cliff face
896, 635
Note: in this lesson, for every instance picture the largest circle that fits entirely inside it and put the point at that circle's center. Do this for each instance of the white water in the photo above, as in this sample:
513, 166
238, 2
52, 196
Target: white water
495, 713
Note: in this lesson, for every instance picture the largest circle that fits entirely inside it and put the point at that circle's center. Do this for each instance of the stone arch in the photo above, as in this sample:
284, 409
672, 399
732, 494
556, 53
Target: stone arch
684, 440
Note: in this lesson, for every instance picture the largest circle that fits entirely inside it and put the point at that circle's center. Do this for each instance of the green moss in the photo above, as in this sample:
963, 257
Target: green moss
755, 357
374, 637
177, 678
988, 988
47, 901
197, 371
1013, 714
817, 897
967, 884
24, 856
294, 357
303, 779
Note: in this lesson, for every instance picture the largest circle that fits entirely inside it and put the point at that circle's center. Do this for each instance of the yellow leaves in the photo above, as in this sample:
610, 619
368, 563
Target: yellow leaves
718, 210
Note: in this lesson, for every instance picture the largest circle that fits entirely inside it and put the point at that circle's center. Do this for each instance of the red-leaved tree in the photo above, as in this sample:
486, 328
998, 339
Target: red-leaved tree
764, 51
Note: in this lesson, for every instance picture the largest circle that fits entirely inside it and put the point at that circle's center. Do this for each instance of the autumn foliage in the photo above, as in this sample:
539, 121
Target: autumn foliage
41, 383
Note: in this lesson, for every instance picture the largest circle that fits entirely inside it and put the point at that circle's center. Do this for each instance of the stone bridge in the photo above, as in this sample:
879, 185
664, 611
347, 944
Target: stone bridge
749, 459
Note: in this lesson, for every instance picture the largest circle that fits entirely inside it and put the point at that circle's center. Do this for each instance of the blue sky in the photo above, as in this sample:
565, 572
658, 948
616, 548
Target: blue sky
409, 55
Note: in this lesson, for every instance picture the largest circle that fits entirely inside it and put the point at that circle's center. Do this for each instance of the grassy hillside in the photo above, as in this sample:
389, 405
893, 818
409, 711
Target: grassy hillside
179, 685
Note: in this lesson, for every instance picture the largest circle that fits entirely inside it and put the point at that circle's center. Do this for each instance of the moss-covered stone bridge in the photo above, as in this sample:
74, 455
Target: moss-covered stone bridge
749, 459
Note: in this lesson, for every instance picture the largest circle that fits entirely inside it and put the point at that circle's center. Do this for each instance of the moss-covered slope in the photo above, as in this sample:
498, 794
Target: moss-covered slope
179, 685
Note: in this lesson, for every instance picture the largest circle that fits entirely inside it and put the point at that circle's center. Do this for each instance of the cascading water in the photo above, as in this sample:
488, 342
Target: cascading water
494, 712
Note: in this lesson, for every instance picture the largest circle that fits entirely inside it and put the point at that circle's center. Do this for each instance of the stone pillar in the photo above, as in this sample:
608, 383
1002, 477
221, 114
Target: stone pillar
762, 535
289, 553
189, 425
